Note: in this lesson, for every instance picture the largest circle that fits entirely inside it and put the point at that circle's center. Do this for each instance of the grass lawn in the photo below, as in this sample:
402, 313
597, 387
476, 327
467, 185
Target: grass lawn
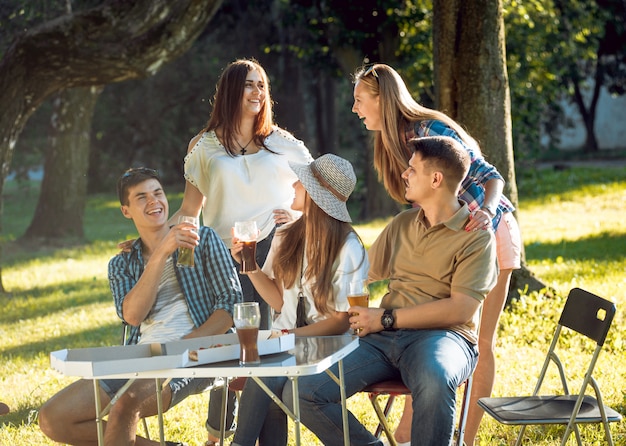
574, 233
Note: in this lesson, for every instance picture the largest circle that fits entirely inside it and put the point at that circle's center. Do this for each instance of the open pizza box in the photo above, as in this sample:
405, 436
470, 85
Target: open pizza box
101, 361
226, 347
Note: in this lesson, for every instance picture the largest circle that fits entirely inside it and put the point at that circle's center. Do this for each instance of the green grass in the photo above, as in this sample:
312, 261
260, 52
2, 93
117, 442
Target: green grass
574, 232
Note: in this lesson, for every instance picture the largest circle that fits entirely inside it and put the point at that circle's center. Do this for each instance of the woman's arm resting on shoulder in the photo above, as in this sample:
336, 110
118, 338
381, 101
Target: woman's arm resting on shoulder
193, 198
191, 205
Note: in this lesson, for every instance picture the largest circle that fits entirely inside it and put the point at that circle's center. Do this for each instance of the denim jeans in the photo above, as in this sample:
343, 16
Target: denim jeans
260, 417
431, 363
215, 412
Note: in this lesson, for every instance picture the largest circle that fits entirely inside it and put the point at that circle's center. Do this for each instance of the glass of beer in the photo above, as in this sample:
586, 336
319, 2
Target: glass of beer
358, 296
247, 233
247, 318
185, 255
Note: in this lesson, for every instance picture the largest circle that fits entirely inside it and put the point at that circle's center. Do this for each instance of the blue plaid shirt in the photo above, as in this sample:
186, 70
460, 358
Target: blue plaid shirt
472, 188
211, 285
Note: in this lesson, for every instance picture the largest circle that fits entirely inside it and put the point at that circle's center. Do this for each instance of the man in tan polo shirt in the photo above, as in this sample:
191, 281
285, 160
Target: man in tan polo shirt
425, 330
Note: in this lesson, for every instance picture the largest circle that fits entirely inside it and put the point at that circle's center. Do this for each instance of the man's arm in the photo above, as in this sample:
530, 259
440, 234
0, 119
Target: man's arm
443, 313
137, 302
471, 283
213, 292
218, 323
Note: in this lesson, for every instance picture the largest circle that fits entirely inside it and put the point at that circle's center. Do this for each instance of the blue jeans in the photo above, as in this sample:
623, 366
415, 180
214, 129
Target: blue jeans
215, 412
260, 417
431, 363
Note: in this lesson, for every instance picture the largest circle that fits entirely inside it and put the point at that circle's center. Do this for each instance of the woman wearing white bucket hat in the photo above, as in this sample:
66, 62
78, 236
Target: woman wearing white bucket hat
311, 262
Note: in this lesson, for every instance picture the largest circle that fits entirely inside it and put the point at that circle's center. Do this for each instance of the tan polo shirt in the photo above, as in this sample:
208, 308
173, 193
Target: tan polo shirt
424, 264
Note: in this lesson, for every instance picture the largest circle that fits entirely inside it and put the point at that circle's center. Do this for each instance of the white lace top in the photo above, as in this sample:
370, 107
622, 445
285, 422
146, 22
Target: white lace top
247, 187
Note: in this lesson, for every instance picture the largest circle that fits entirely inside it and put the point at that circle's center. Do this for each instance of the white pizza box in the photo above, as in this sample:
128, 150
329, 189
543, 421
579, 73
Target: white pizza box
228, 348
102, 361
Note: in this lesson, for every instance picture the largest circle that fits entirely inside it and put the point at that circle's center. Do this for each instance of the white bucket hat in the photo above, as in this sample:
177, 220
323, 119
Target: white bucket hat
329, 180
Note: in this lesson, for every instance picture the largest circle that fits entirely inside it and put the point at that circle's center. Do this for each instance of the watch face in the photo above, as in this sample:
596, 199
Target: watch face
387, 320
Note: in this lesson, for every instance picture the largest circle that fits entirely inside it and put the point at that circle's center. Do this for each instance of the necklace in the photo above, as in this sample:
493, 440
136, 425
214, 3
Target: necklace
243, 148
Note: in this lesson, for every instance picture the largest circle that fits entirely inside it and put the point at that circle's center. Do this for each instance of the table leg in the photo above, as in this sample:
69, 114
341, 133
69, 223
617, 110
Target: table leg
296, 407
344, 409
159, 391
224, 407
99, 427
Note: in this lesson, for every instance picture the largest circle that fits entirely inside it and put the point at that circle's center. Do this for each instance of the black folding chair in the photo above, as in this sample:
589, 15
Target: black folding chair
586, 314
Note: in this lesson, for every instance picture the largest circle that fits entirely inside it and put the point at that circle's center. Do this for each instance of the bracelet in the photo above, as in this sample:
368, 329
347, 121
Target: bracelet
284, 331
488, 210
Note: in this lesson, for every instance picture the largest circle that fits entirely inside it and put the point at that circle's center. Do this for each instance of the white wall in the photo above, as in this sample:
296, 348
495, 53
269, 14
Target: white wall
610, 124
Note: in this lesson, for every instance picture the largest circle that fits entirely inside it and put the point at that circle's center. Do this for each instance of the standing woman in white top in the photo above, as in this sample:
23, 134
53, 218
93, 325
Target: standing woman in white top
316, 256
237, 169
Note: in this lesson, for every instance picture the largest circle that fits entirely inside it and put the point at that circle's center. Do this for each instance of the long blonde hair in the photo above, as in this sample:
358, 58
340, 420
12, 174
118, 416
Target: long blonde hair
398, 110
320, 238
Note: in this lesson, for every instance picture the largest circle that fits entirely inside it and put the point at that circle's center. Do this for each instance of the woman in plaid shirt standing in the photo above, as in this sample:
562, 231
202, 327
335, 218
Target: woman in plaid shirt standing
383, 102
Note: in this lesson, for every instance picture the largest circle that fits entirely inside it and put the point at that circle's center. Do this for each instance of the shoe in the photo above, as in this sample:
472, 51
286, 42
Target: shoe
174, 443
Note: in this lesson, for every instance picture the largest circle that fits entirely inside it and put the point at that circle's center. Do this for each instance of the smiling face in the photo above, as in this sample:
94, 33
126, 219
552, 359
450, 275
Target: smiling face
299, 200
367, 106
147, 204
253, 93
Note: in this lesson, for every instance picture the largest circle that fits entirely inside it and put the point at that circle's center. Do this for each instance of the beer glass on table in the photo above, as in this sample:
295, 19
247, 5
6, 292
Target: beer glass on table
358, 296
247, 233
185, 255
247, 318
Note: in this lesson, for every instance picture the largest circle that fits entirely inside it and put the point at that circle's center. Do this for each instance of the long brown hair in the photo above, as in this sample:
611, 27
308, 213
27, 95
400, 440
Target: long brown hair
320, 238
226, 113
398, 110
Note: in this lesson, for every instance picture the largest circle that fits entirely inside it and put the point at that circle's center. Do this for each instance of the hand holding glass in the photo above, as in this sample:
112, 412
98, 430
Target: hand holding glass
185, 255
247, 318
358, 296
247, 233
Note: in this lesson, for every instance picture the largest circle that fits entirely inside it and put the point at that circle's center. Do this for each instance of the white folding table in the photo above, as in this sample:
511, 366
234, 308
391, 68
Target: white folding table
311, 355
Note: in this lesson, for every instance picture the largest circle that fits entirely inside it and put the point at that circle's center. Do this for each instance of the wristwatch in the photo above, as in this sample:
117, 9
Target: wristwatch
387, 320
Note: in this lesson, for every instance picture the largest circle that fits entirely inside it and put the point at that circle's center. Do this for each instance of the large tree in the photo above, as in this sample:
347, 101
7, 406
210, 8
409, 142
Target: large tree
116, 41
472, 86
471, 81
63, 192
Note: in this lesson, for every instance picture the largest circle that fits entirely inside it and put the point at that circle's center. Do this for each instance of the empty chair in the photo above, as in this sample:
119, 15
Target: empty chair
586, 314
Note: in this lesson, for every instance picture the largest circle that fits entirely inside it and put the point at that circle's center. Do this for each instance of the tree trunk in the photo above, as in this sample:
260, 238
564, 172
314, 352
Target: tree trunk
325, 114
288, 91
64, 186
472, 87
472, 84
588, 114
117, 41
